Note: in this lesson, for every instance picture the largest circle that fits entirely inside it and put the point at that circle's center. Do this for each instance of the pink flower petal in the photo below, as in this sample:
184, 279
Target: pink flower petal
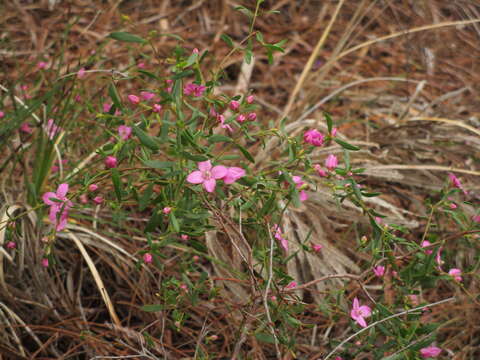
303, 195
204, 165
195, 177
209, 185
233, 174
365, 310
47, 196
52, 215
219, 171
62, 190
361, 321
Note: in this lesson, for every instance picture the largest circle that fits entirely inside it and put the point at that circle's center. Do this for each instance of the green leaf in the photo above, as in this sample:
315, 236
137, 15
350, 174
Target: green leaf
152, 308
246, 11
248, 56
117, 184
174, 221
346, 145
259, 37
245, 153
145, 139
228, 40
328, 118
145, 198
194, 157
219, 138
112, 91
126, 37
156, 164
266, 338
149, 74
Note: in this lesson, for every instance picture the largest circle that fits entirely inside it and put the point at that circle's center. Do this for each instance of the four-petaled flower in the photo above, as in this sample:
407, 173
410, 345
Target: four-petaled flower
124, 132
430, 352
313, 137
59, 206
207, 175
379, 270
359, 313
194, 89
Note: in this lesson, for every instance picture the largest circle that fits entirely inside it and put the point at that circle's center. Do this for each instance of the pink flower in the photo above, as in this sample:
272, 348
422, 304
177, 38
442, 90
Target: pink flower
195, 89
42, 65
331, 162
313, 137
476, 218
291, 285
25, 127
111, 162
11, 245
241, 118
430, 352
98, 200
184, 237
84, 199
320, 171
157, 108
167, 210
425, 244
252, 116
334, 131
81, 73
134, 99
338, 358
141, 65
125, 132
2, 114
453, 206
414, 299
93, 187
317, 247
207, 175
221, 119
146, 95
59, 204
195, 51
456, 182
456, 273
299, 184
51, 129
359, 313
250, 99
233, 174
379, 270
107, 107
45, 262
147, 257
278, 235
234, 105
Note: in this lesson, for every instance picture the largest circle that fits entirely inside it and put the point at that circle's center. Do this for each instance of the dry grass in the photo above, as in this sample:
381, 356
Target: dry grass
411, 101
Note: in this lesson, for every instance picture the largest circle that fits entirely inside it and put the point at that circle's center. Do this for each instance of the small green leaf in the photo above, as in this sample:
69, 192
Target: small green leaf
328, 118
219, 138
117, 184
245, 153
149, 74
194, 157
112, 91
156, 164
145, 198
145, 139
266, 338
152, 308
174, 221
228, 40
346, 145
259, 37
127, 37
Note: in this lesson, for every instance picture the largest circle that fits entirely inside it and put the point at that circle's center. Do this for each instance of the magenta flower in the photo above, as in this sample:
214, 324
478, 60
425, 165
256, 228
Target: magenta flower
42, 65
111, 162
250, 99
291, 285
252, 116
51, 129
456, 182
167, 210
81, 73
313, 137
194, 89
379, 270
438, 258
59, 206
334, 131
476, 218
11, 245
134, 99
98, 200
157, 108
45, 262
141, 65
456, 273
221, 119
430, 352
424, 244
331, 162
317, 247
195, 51
2, 114
241, 118
147, 95
233, 174
299, 185
359, 313
147, 257
207, 175
125, 132
234, 105
321, 172
184, 237
25, 127
278, 235
93, 187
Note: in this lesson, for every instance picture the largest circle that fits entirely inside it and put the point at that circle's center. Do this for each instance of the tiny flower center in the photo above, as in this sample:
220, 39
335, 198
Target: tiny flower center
207, 175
